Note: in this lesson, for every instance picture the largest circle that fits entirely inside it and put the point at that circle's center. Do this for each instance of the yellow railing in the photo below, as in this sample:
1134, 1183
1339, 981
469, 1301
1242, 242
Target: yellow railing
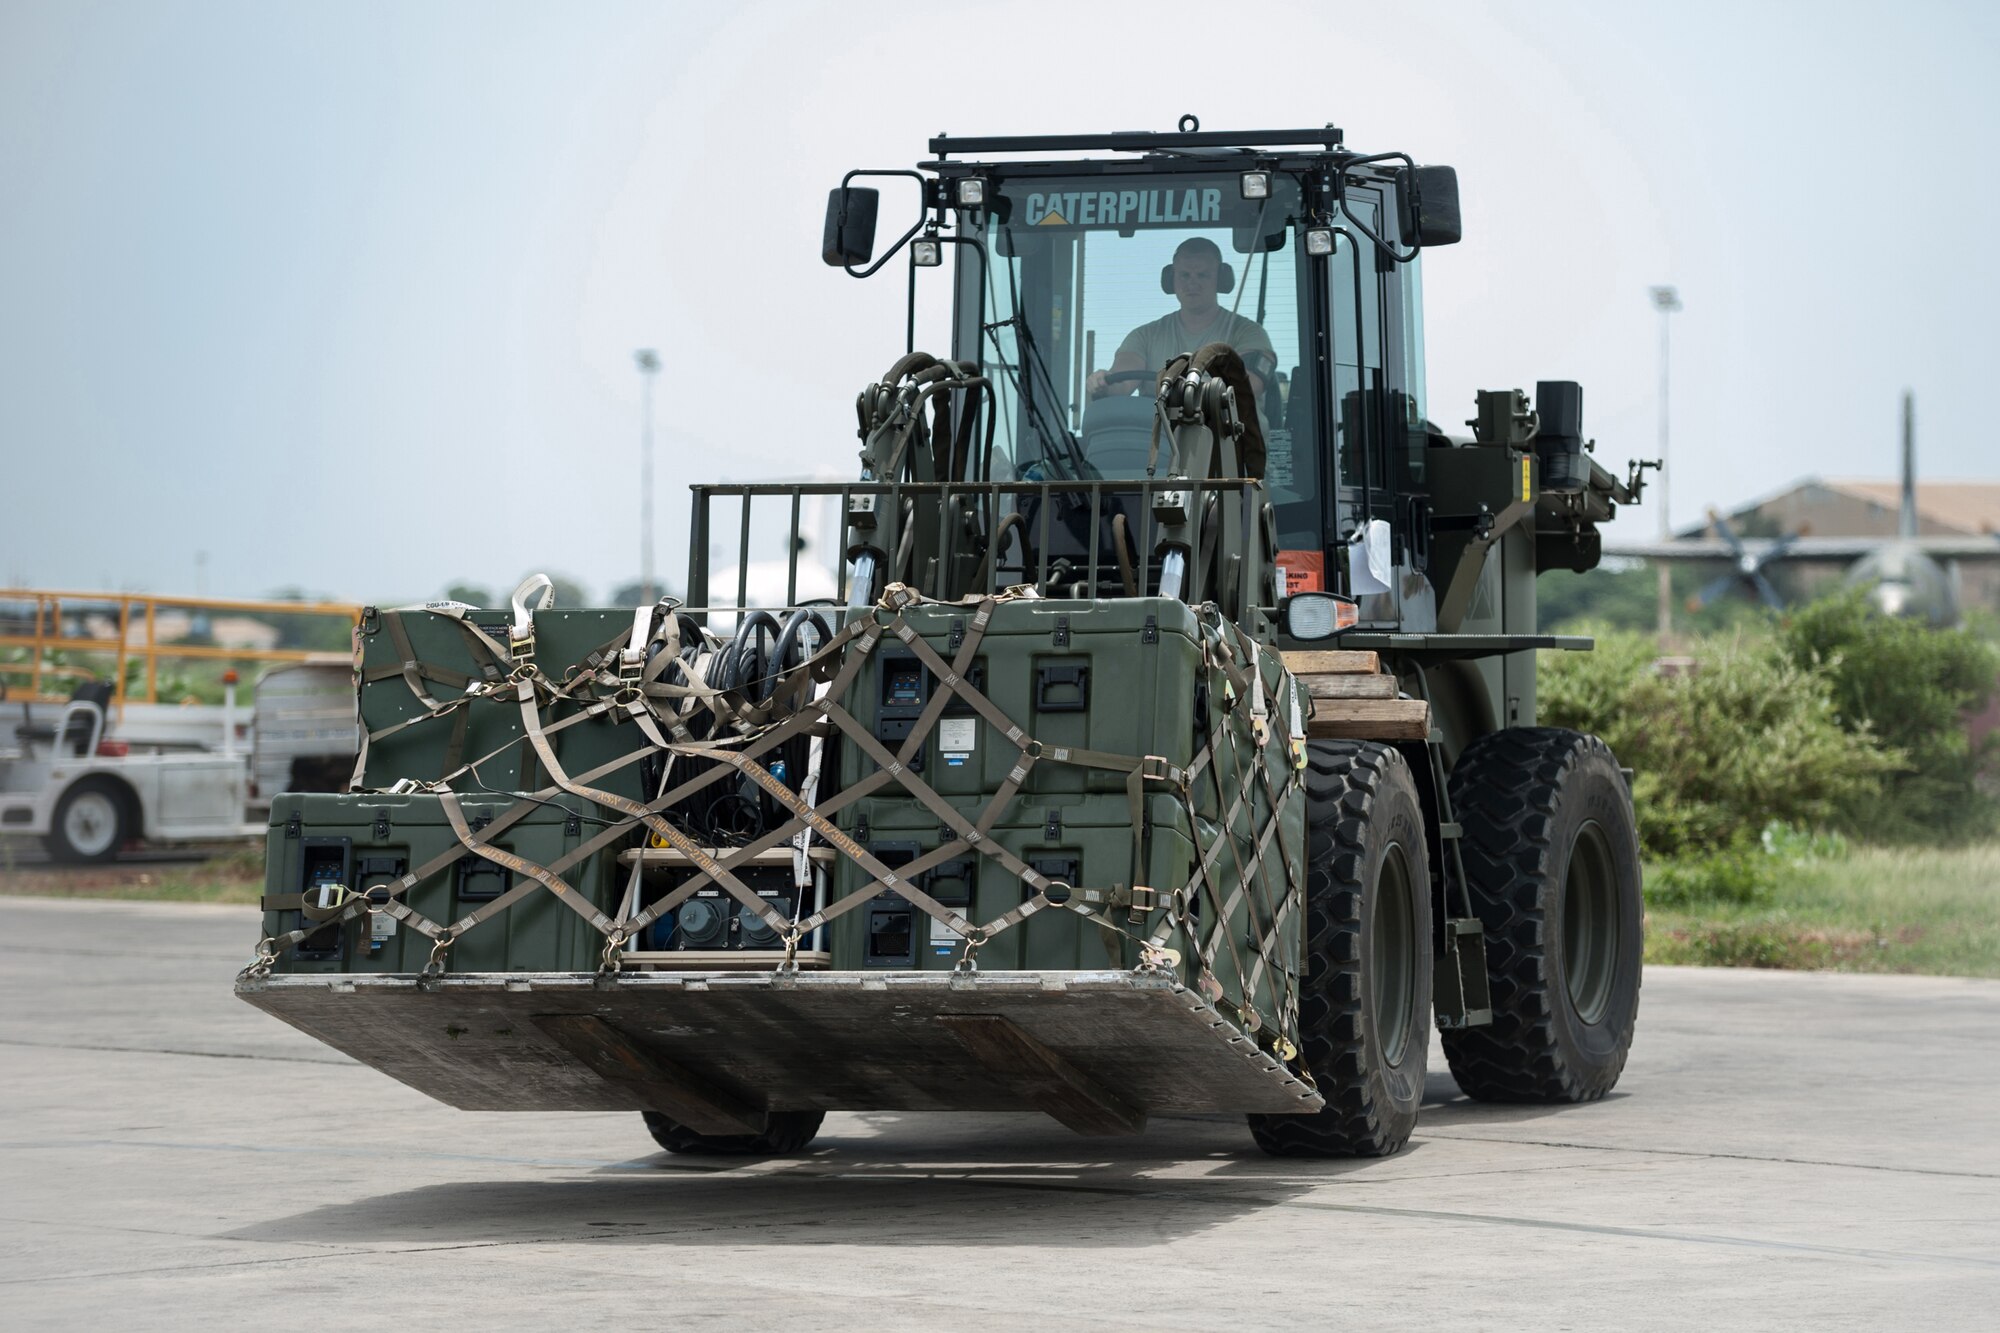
132, 609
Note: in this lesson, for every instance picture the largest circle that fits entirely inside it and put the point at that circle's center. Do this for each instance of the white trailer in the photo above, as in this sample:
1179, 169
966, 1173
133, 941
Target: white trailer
86, 792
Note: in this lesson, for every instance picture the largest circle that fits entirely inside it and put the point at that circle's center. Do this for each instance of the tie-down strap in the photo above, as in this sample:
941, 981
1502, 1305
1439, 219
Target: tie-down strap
1232, 874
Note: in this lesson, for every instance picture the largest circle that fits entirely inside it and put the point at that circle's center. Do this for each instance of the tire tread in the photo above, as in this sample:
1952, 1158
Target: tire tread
1504, 791
1343, 782
788, 1132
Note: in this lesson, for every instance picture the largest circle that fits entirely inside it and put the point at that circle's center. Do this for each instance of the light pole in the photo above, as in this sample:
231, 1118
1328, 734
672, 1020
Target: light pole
648, 362
1667, 301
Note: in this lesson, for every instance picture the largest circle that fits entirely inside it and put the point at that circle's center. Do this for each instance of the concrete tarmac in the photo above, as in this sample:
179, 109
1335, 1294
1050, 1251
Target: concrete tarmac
1785, 1150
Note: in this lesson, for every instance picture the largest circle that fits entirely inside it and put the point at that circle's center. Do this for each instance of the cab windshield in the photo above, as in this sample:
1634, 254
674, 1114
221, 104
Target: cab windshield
1091, 284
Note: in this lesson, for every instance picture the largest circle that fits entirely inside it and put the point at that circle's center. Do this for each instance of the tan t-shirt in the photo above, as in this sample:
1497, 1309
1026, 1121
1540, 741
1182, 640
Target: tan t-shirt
1163, 339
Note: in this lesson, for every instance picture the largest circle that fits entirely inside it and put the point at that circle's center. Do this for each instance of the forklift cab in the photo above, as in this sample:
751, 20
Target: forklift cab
1059, 263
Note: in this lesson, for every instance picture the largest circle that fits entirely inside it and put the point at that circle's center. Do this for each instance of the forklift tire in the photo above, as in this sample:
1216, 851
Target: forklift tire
787, 1133
1552, 852
91, 823
1365, 1010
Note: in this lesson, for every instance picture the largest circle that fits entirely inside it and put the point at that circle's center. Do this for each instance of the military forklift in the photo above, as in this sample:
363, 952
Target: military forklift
1168, 745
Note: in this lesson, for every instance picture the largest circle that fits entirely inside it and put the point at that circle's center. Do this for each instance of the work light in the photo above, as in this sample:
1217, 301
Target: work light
1317, 615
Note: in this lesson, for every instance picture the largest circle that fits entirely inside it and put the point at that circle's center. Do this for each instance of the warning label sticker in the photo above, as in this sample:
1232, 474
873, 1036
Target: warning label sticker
943, 938
958, 733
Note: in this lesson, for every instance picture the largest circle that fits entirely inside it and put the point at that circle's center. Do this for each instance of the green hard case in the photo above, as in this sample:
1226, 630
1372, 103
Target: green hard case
383, 836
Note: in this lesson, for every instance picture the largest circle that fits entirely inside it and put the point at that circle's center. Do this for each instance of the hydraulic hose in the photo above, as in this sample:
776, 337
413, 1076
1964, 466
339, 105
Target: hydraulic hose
743, 663
906, 545
788, 638
1007, 525
1208, 578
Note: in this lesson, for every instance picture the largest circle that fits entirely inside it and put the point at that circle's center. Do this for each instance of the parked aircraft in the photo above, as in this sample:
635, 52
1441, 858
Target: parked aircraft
1906, 575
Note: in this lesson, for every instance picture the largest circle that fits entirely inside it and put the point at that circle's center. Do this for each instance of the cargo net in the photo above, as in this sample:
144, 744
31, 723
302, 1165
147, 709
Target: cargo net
1231, 932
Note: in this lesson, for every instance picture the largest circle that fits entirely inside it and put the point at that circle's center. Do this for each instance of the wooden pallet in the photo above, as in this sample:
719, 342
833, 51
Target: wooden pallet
1354, 699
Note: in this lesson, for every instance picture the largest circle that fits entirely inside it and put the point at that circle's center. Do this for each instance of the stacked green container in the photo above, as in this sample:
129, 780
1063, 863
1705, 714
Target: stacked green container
366, 840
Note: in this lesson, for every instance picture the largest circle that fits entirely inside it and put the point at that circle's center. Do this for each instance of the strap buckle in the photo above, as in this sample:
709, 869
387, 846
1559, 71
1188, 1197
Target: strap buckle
323, 902
968, 962
435, 967
614, 950
536, 593
260, 966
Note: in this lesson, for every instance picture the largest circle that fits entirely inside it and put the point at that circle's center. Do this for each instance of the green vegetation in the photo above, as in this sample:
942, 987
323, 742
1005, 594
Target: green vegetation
1909, 686
1869, 909
176, 679
1832, 717
233, 877
1718, 751
1808, 795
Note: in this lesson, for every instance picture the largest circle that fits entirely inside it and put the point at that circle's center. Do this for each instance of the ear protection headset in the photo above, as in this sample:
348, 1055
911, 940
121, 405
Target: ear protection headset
1225, 279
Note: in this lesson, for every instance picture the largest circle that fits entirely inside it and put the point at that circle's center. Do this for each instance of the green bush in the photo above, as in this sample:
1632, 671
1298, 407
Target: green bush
1797, 847
1734, 874
1910, 686
1746, 737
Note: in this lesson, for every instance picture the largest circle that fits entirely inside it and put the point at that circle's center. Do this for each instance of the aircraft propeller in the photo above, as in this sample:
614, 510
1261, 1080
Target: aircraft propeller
1749, 571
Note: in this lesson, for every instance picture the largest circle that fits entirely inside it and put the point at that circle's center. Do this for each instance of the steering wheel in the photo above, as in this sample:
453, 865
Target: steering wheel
1129, 376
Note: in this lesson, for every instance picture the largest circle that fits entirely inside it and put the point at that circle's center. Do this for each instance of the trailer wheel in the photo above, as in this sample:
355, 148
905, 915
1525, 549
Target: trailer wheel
1552, 852
788, 1132
1365, 1011
90, 823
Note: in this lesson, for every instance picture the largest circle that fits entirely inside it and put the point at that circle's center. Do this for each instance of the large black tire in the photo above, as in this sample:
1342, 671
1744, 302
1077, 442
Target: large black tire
1365, 1010
787, 1133
1552, 853
92, 821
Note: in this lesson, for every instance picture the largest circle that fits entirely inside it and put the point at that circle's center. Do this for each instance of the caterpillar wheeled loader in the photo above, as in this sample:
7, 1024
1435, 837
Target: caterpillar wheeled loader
1167, 744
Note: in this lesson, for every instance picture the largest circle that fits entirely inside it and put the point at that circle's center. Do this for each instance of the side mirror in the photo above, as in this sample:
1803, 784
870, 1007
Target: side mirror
1429, 198
850, 226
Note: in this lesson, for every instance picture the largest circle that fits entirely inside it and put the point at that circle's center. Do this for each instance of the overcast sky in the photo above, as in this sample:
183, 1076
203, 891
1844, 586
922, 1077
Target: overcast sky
345, 294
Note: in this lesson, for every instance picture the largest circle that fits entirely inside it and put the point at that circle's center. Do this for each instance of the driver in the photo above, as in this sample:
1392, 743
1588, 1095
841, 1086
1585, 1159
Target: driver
1201, 320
